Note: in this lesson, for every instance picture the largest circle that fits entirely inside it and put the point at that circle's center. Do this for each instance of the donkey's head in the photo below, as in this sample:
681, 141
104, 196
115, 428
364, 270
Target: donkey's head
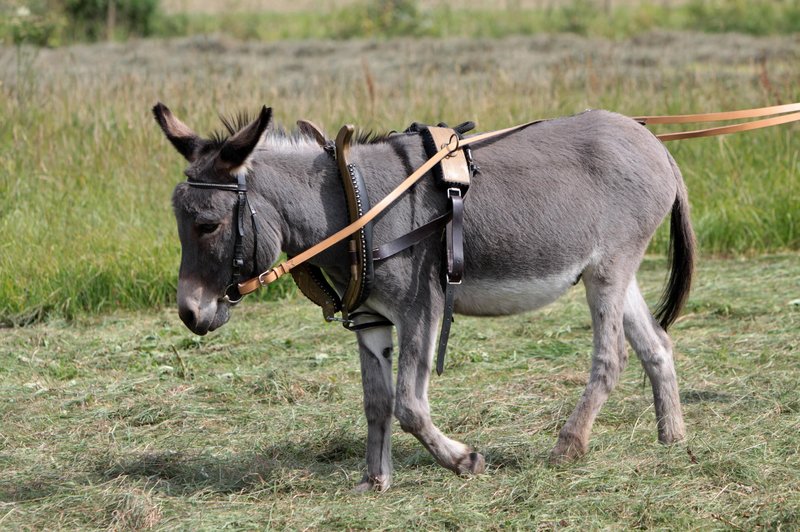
210, 219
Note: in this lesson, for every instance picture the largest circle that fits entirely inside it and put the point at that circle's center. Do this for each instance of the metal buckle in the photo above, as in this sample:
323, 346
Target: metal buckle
453, 282
261, 276
339, 320
453, 192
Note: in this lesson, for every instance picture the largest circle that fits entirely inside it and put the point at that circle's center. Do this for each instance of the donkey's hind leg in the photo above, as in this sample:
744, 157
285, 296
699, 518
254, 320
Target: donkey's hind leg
375, 349
654, 349
416, 337
605, 292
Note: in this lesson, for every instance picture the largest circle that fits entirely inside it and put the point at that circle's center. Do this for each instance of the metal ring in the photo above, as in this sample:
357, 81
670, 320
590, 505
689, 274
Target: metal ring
232, 302
451, 151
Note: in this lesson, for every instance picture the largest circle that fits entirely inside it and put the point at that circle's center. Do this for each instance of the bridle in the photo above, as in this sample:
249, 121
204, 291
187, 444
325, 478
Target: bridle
232, 294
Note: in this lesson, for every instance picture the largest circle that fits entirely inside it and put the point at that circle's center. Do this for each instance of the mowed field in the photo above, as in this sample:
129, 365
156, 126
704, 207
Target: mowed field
126, 421
113, 416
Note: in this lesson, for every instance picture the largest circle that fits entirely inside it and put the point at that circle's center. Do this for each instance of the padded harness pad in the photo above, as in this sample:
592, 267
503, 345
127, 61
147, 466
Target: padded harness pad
314, 286
360, 246
453, 170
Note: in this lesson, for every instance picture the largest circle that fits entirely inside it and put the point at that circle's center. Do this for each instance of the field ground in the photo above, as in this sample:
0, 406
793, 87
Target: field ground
79, 151
126, 420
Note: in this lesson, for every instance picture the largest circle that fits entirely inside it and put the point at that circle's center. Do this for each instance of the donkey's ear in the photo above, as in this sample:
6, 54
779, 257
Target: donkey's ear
238, 148
184, 139
309, 128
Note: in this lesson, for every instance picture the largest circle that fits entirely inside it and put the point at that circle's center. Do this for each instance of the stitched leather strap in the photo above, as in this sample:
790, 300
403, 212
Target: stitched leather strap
312, 283
447, 321
455, 237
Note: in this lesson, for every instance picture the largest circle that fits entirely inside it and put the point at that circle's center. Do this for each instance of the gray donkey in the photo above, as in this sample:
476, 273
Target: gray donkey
559, 201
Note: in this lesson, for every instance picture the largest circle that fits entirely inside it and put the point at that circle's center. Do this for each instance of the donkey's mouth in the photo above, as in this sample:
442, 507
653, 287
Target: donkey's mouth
221, 317
204, 319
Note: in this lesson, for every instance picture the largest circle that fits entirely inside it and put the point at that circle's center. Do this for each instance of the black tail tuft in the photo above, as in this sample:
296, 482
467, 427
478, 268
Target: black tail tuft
681, 258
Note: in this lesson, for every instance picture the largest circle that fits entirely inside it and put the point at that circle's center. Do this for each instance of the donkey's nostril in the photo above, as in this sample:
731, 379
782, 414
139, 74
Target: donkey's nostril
188, 317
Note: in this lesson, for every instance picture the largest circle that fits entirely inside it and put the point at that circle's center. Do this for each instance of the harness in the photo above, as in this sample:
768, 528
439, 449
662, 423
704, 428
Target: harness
453, 173
451, 152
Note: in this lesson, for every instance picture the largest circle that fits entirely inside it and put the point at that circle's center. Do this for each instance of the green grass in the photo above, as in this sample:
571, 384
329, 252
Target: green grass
584, 17
86, 176
127, 421
390, 18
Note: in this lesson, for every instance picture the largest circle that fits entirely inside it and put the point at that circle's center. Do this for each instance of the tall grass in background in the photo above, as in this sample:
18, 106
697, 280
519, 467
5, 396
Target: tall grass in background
391, 18
86, 176
53, 22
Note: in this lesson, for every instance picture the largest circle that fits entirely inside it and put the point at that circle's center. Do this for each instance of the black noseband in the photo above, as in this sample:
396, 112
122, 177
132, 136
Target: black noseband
232, 294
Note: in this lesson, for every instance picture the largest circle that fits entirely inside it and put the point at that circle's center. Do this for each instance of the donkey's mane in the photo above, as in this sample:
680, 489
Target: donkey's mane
368, 136
277, 133
233, 124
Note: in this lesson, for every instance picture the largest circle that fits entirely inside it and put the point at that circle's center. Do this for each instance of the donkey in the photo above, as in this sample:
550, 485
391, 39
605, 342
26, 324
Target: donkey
569, 199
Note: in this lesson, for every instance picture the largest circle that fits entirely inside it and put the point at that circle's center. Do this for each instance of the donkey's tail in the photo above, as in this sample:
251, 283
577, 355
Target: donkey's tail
681, 255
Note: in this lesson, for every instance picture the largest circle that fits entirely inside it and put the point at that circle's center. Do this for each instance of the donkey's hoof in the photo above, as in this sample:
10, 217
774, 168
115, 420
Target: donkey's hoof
673, 433
567, 449
380, 484
471, 464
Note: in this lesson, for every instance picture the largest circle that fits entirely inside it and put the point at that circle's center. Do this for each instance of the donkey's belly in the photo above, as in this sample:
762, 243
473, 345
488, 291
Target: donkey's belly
487, 297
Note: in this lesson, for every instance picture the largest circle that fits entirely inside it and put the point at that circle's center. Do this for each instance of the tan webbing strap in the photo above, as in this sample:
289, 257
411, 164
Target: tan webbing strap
272, 275
719, 117
733, 128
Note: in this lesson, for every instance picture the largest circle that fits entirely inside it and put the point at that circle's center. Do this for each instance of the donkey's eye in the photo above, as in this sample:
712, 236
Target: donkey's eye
205, 229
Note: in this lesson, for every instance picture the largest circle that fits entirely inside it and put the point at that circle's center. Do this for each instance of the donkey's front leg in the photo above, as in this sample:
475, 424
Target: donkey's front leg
375, 348
411, 405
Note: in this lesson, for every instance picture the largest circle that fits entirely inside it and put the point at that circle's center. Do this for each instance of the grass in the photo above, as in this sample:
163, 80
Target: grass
127, 421
271, 21
449, 19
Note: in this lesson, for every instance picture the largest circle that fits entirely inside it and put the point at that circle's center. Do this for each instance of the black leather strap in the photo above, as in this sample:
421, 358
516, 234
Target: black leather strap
455, 237
447, 320
242, 204
455, 269
384, 251
378, 321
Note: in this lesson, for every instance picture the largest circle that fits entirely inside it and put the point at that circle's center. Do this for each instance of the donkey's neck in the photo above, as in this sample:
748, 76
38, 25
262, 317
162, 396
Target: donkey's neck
302, 183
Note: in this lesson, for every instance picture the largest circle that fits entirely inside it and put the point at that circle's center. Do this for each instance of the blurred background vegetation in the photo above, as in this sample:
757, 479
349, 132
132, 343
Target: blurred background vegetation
56, 22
